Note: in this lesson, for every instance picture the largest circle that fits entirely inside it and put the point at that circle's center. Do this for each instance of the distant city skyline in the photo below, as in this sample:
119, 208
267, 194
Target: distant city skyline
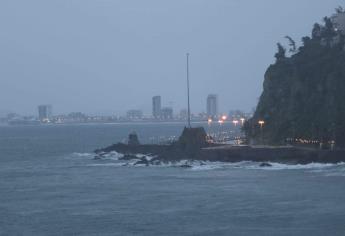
107, 57
211, 109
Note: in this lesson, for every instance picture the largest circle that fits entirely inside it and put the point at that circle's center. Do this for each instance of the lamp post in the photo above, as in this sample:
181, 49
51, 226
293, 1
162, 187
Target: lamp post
242, 121
209, 123
235, 122
220, 121
261, 123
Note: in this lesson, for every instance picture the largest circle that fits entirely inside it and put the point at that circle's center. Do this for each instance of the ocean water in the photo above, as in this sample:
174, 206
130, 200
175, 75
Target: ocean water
51, 185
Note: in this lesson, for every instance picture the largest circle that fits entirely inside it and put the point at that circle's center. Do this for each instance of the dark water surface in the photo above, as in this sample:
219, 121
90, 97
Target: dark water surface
50, 185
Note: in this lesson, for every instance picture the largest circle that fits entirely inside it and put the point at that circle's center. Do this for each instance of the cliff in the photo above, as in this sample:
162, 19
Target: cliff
304, 94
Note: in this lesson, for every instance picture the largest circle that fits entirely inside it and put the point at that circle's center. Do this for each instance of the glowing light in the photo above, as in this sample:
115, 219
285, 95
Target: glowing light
242, 120
224, 117
221, 121
261, 123
209, 121
235, 122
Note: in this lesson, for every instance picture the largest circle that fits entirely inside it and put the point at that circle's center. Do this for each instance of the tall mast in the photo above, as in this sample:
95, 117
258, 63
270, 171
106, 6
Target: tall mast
189, 126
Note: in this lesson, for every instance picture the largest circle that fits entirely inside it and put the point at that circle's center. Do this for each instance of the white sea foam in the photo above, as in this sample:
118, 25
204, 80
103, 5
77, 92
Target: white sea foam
106, 164
279, 166
113, 155
200, 166
328, 170
78, 154
207, 165
147, 157
222, 165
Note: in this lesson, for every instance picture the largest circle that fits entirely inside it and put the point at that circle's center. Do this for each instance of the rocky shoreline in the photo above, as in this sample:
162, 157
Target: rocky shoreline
192, 146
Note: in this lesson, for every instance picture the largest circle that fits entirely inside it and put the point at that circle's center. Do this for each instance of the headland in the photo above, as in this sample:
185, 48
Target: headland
193, 146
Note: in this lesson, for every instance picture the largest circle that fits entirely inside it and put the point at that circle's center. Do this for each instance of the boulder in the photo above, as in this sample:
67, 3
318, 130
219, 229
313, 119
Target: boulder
142, 161
265, 164
128, 157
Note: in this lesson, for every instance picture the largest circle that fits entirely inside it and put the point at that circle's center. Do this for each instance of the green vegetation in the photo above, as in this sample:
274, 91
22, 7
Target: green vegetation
304, 94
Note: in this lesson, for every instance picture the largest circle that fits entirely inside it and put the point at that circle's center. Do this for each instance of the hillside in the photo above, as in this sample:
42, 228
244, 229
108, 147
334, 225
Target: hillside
304, 93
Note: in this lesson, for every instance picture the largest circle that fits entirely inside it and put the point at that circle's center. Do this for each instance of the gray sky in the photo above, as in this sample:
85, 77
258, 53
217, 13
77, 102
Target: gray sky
107, 56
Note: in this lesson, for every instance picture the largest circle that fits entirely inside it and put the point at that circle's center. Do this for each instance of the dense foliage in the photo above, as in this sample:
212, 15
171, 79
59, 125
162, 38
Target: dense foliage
304, 94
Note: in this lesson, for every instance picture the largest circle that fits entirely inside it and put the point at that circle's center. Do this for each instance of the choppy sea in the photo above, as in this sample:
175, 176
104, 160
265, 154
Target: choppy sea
50, 184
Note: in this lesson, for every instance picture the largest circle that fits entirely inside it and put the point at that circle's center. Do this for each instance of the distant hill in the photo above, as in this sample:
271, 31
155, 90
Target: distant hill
304, 93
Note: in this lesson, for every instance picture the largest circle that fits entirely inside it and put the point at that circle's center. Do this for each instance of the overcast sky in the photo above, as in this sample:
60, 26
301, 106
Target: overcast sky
98, 56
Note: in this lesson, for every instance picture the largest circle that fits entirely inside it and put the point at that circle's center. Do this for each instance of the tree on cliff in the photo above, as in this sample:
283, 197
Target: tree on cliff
303, 95
339, 10
292, 44
316, 33
281, 54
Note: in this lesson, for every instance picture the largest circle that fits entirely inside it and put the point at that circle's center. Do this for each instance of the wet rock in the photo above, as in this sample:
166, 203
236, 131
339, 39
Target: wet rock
100, 155
185, 166
142, 161
155, 162
265, 164
128, 157
97, 157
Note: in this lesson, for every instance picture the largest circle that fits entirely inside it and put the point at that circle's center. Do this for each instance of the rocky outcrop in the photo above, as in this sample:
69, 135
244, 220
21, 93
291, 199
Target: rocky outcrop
303, 94
191, 146
188, 146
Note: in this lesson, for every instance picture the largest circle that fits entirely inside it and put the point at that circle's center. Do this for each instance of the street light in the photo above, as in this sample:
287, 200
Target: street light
224, 117
235, 122
242, 121
220, 121
209, 121
261, 123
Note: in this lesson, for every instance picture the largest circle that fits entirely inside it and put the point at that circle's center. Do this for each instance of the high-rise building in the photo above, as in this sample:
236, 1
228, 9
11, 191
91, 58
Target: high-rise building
44, 113
212, 105
167, 113
156, 107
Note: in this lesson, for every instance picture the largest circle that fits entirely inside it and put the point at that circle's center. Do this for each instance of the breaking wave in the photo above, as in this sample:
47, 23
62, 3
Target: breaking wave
111, 156
106, 165
113, 159
78, 154
279, 166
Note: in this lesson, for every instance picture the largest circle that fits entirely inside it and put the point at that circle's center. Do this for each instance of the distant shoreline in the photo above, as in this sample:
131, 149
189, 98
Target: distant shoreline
110, 123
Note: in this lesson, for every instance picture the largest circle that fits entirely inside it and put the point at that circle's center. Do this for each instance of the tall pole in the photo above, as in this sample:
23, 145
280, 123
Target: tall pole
189, 126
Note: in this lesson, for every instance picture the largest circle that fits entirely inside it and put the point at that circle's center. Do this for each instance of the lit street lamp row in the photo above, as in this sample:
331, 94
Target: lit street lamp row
235, 122
224, 118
